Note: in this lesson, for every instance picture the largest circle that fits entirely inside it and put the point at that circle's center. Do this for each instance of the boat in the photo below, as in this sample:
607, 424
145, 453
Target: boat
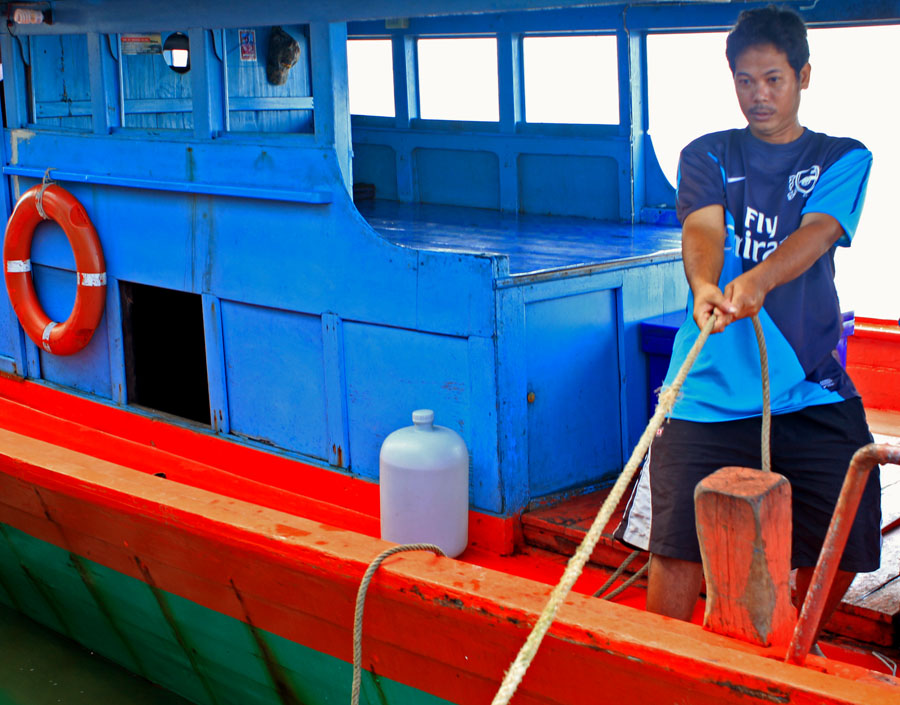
191, 489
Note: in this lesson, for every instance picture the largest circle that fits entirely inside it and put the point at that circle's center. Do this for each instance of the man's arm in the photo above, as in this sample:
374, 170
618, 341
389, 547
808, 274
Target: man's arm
817, 234
702, 250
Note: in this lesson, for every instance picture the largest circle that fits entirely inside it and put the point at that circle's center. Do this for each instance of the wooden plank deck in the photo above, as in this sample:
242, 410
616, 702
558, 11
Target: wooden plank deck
871, 609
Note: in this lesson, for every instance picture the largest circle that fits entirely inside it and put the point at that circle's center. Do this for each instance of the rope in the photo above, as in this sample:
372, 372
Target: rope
627, 584
765, 447
39, 198
361, 602
576, 563
617, 573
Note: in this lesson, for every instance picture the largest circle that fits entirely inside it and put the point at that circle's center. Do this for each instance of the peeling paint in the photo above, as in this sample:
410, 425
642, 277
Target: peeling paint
447, 601
775, 696
17, 136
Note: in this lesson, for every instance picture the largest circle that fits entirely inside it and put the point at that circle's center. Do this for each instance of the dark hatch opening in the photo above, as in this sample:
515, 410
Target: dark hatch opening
165, 350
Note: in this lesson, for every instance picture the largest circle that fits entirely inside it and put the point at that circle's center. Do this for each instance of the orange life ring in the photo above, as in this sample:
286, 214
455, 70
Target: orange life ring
61, 206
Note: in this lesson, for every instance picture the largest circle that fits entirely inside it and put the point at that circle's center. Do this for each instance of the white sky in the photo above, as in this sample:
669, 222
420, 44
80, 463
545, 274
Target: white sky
690, 93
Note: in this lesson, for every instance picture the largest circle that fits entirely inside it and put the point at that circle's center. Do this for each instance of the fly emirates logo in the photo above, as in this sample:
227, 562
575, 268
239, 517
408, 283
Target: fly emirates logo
758, 240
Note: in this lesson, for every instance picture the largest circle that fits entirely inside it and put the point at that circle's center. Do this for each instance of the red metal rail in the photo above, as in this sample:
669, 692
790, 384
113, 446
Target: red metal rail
844, 512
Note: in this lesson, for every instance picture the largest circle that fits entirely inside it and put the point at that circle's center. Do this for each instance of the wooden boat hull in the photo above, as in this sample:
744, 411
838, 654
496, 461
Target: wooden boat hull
222, 600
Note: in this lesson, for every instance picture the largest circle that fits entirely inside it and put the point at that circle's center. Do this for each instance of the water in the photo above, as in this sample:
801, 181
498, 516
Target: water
40, 667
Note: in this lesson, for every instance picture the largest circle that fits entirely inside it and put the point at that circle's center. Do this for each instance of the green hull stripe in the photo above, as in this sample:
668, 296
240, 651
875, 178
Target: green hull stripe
202, 655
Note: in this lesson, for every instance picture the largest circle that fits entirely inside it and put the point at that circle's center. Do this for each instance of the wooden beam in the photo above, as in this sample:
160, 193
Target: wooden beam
744, 527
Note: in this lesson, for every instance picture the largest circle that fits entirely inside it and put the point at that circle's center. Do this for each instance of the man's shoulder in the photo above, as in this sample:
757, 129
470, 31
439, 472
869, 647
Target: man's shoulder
833, 148
713, 142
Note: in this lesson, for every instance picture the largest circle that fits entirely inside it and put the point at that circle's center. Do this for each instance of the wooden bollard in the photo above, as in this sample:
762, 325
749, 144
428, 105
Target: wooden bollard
744, 527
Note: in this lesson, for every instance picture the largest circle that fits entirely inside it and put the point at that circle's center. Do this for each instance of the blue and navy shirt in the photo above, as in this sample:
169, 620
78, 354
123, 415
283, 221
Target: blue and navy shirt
766, 189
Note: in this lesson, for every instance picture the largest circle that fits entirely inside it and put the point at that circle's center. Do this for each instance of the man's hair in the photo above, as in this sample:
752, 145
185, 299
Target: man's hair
779, 26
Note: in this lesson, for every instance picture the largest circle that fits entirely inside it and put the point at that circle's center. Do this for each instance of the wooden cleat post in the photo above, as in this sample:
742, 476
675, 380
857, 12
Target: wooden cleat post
744, 528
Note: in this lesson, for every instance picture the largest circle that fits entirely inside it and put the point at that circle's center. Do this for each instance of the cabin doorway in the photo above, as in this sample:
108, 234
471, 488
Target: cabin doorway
165, 351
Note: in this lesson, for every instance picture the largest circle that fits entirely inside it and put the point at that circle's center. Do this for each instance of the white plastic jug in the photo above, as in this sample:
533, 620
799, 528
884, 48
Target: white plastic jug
425, 485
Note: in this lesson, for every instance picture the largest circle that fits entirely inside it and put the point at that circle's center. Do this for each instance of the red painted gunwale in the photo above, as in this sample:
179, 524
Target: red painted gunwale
198, 458
298, 578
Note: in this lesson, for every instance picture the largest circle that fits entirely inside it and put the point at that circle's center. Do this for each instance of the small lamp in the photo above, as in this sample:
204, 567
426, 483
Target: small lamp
177, 52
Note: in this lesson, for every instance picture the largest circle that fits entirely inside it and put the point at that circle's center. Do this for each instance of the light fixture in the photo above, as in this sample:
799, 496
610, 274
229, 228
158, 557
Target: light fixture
177, 52
31, 15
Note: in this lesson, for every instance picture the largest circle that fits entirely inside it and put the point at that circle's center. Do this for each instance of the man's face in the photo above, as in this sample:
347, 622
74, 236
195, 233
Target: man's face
768, 91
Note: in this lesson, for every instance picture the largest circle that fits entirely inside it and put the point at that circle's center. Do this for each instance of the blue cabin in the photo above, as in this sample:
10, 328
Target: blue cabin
495, 271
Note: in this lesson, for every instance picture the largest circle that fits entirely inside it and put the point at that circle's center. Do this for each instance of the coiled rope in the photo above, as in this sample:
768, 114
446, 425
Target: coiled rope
575, 566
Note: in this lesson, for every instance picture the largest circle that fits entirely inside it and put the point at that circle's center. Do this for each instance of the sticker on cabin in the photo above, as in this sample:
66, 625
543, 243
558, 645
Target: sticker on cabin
248, 44
141, 43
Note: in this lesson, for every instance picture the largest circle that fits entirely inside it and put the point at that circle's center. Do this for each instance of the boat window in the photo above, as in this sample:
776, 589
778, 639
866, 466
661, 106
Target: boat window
458, 79
269, 80
165, 353
690, 96
572, 79
60, 81
371, 76
156, 97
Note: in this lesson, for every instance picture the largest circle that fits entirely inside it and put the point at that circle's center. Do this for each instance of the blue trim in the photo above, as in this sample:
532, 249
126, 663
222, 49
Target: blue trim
309, 197
220, 419
862, 188
335, 391
117, 382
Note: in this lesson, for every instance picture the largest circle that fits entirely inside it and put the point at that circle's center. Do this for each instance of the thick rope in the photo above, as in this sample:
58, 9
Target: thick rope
765, 447
667, 399
577, 562
361, 603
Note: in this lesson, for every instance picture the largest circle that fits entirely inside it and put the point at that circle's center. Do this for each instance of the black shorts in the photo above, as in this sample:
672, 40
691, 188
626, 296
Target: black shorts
811, 448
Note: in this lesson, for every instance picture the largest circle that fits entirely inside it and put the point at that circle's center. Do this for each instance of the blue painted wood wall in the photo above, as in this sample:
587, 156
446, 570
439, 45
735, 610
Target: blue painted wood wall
322, 336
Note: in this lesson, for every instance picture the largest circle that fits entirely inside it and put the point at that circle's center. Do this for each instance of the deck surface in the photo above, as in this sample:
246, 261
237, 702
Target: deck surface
871, 608
532, 242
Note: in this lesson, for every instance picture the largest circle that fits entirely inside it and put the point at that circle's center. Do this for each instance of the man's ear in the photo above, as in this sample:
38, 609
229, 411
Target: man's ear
804, 76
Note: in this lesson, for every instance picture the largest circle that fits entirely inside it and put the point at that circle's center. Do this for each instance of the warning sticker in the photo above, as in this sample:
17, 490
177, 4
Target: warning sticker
141, 43
248, 44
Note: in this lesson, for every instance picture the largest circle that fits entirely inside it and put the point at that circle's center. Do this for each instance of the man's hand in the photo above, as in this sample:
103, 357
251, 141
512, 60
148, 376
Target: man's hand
817, 233
746, 294
709, 300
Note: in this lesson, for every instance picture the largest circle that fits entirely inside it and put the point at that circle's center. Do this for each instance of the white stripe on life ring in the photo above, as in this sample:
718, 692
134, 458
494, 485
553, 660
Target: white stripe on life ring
87, 279
18, 265
45, 338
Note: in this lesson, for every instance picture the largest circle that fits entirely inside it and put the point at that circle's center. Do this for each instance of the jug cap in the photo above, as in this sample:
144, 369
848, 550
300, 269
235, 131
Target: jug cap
423, 417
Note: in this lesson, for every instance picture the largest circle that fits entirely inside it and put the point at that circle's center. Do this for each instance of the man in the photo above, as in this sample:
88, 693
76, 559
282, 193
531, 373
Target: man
762, 210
